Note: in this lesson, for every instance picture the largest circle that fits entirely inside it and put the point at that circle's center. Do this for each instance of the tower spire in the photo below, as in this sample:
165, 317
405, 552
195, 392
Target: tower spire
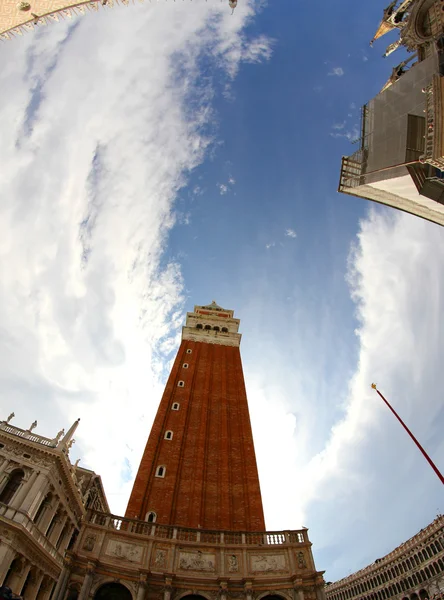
65, 442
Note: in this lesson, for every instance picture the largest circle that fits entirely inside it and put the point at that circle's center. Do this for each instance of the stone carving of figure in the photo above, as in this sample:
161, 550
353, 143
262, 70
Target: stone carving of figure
76, 464
89, 543
301, 561
11, 416
160, 560
70, 443
33, 426
59, 435
233, 565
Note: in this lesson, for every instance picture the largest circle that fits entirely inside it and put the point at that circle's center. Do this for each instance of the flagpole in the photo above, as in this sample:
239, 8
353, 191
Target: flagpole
424, 453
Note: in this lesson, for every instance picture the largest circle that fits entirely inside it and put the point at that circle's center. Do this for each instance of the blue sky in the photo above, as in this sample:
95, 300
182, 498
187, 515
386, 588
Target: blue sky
168, 154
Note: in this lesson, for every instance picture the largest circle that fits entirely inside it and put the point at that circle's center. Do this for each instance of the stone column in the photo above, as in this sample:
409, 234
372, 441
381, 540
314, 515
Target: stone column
46, 588
18, 577
248, 590
21, 494
3, 466
87, 582
300, 594
167, 590
65, 540
34, 584
55, 533
31, 503
62, 581
320, 593
141, 590
48, 515
223, 591
7, 555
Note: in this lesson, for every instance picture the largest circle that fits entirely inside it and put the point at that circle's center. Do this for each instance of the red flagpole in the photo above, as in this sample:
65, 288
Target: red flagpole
424, 453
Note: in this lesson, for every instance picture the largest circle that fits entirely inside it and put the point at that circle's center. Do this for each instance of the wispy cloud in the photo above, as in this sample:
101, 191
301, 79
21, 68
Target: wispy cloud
290, 233
337, 71
339, 125
352, 133
223, 188
270, 245
258, 49
95, 306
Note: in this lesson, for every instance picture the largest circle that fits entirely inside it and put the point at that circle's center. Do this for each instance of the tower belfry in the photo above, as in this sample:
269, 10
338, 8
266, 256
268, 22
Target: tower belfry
199, 466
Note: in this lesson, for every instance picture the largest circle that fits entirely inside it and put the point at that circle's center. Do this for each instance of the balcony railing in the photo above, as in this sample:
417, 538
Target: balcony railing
21, 519
26, 434
203, 536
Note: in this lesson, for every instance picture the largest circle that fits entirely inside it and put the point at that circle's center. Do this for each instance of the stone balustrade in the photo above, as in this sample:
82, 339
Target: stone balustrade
28, 435
168, 532
22, 520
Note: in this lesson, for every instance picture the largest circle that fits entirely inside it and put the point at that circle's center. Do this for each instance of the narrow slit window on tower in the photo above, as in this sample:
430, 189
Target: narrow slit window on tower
181, 384
151, 516
199, 326
207, 327
176, 406
168, 435
216, 328
224, 329
189, 350
160, 471
185, 366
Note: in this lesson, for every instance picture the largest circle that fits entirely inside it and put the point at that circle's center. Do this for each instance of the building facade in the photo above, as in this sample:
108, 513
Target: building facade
43, 499
413, 571
400, 159
194, 525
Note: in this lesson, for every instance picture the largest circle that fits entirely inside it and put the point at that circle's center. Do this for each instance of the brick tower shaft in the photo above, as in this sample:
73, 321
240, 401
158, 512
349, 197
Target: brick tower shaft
199, 466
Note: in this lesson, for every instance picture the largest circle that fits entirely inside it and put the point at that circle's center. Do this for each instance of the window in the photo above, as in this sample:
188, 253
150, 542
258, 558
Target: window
199, 326
168, 435
185, 366
151, 516
207, 327
216, 328
13, 484
224, 329
160, 471
181, 384
176, 406
189, 350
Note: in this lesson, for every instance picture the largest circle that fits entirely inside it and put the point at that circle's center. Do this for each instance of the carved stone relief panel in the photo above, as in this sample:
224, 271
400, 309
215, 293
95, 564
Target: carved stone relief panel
89, 543
302, 563
197, 561
124, 551
265, 563
232, 563
159, 558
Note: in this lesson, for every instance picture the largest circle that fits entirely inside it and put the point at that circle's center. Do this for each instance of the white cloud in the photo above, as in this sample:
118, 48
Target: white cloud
270, 245
397, 284
337, 71
93, 156
231, 181
351, 134
290, 233
338, 125
258, 49
223, 188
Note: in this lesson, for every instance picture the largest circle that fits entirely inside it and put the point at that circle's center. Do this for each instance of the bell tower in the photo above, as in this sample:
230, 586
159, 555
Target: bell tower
199, 469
